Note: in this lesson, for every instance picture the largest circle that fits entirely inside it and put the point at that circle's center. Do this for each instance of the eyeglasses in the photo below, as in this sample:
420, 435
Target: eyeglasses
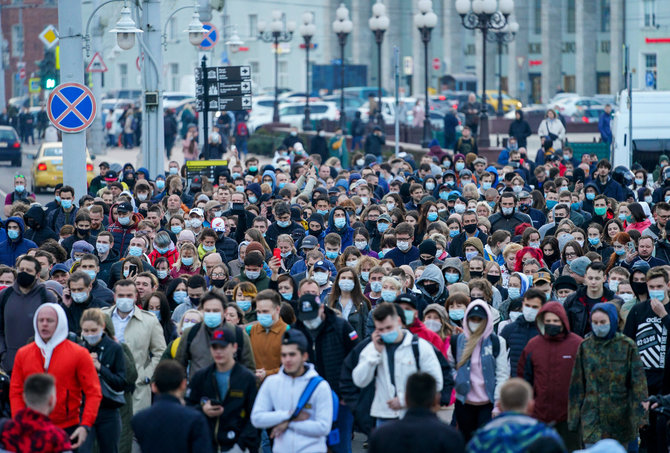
219, 275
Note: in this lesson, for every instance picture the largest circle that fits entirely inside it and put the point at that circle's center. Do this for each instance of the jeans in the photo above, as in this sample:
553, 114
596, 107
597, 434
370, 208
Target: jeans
266, 445
345, 423
107, 431
470, 417
356, 142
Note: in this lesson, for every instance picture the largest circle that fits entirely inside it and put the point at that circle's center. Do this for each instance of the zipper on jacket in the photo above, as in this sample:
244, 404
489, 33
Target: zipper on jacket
67, 404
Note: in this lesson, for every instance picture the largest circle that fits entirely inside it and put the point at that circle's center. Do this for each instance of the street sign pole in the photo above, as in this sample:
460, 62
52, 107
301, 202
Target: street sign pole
3, 100
97, 136
205, 108
72, 70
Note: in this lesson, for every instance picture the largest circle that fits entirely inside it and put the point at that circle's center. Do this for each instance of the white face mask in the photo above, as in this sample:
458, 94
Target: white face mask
530, 314
433, 324
514, 315
313, 323
473, 326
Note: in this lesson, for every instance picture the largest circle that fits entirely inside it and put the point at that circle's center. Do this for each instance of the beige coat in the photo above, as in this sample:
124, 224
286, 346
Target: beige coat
144, 337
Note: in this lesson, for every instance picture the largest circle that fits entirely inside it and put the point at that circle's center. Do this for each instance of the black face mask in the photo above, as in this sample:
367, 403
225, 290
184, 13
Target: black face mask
493, 279
471, 228
194, 300
524, 207
558, 220
25, 280
552, 330
426, 262
84, 232
315, 233
431, 288
218, 282
639, 288
476, 274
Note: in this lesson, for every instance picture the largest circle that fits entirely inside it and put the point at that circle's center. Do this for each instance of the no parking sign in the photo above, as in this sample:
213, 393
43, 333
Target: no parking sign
71, 107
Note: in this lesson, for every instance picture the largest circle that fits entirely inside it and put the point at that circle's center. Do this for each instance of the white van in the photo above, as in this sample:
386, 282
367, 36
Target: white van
651, 129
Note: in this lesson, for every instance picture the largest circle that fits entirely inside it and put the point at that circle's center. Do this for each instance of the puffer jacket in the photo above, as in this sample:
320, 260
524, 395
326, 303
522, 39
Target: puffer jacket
38, 231
122, 234
546, 363
11, 249
172, 256
517, 335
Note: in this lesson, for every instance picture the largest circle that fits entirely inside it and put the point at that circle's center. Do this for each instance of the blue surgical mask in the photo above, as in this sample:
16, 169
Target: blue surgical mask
253, 199
79, 297
287, 296
66, 204
389, 295
409, 317
134, 250
639, 182
124, 220
456, 314
156, 313
187, 261
432, 216
469, 256
514, 293
331, 255
382, 227
375, 287
452, 278
600, 330
535, 245
390, 337
323, 212
486, 185
162, 275
365, 276
657, 294
594, 241
620, 252
173, 170
430, 186
162, 250
339, 222
20, 188
102, 248
13, 234
160, 184
460, 166
590, 196
91, 273
454, 233
212, 320
346, 285
265, 320
622, 217
551, 203
176, 229
283, 224
444, 195
208, 248
180, 296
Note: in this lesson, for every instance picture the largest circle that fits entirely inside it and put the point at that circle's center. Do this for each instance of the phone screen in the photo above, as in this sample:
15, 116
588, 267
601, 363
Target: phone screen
277, 253
238, 206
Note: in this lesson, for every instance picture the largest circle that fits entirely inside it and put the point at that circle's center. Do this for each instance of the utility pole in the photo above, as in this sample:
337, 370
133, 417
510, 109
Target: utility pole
3, 96
72, 70
153, 147
97, 136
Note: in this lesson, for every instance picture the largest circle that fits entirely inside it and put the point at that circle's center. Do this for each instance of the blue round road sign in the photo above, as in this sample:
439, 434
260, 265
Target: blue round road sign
71, 107
210, 37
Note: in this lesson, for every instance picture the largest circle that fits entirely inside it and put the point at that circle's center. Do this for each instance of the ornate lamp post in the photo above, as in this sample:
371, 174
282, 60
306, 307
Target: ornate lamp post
307, 30
425, 20
379, 23
504, 36
484, 15
342, 26
278, 32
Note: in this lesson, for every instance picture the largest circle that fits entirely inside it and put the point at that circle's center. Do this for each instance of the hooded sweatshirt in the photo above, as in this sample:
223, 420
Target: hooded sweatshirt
11, 249
38, 231
346, 233
431, 273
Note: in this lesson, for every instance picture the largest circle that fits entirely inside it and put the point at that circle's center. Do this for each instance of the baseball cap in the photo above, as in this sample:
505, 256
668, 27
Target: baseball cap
541, 276
478, 310
222, 337
308, 307
111, 175
409, 299
218, 224
296, 337
384, 218
197, 211
321, 265
59, 267
124, 207
309, 242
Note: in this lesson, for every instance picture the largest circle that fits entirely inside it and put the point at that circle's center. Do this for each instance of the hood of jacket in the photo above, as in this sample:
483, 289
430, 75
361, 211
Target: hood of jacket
453, 263
610, 310
434, 274
494, 171
255, 188
557, 309
22, 227
331, 219
271, 174
38, 216
593, 185
58, 336
489, 318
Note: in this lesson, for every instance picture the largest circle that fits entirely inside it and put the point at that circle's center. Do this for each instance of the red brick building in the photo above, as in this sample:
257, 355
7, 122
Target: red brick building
22, 22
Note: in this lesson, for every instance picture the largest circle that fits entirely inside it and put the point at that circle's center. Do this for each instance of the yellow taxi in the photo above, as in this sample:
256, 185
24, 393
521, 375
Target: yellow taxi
47, 170
508, 103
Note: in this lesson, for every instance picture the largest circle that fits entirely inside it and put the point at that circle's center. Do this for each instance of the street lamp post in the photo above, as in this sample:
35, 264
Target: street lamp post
504, 36
379, 23
425, 20
307, 30
278, 32
342, 26
484, 15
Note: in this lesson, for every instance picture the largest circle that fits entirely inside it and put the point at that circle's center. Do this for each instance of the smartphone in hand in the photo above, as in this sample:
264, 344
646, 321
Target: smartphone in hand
277, 253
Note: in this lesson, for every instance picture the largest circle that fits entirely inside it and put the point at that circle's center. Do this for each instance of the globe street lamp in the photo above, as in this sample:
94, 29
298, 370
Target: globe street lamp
484, 15
307, 30
276, 33
379, 23
342, 26
425, 20
504, 36
125, 29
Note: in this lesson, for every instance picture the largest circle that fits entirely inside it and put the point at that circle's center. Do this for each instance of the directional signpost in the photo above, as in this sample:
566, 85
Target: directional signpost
221, 88
71, 107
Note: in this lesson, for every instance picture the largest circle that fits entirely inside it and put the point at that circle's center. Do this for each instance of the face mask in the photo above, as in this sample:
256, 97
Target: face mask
79, 297
594, 241
514, 315
648, 199
535, 245
432, 216
382, 227
142, 196
331, 255
576, 206
403, 246
620, 252
20, 188
390, 206
313, 324
13, 234
459, 208
390, 337
92, 339
323, 212
352, 263
187, 261
283, 224
365, 200
614, 285
253, 169
212, 320
507, 211
657, 294
486, 185
66, 204
430, 186
340, 222
529, 314
460, 166
125, 304
581, 243
446, 163
133, 250
162, 250
361, 245
389, 295
551, 203
239, 189
433, 324
265, 320
384, 252
476, 274
196, 223
470, 228
456, 314
622, 217
176, 229
321, 278
162, 274
451, 278
375, 287
513, 293
253, 199
359, 162
252, 275
639, 182
409, 317
626, 297
493, 279
517, 189
590, 196
470, 255
157, 313
160, 184
126, 273
365, 276
454, 233
600, 330
444, 195
667, 199
173, 170
208, 248
473, 326
552, 330
561, 299
180, 296
346, 285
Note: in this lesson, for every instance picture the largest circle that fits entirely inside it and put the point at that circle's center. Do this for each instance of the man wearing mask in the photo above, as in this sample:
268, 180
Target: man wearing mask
18, 305
196, 286
561, 212
579, 305
507, 218
89, 264
143, 334
38, 231
82, 231
283, 225
15, 245
77, 298
266, 335
404, 252
137, 247
518, 333
106, 254
647, 324
606, 185
292, 138
330, 338
253, 271
470, 230
66, 212
427, 252
124, 228
526, 207
321, 275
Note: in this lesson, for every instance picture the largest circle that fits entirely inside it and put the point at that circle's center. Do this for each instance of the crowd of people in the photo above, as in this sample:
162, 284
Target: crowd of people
438, 304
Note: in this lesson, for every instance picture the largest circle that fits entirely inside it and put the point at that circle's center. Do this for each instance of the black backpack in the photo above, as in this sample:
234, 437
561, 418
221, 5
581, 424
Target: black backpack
447, 378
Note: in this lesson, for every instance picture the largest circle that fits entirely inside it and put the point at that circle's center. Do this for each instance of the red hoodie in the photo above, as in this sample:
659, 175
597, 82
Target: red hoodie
420, 330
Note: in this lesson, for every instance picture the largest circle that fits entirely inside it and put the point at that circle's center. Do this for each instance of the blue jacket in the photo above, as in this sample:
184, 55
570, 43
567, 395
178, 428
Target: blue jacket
611, 188
510, 431
462, 381
10, 249
346, 233
399, 258
517, 335
605, 128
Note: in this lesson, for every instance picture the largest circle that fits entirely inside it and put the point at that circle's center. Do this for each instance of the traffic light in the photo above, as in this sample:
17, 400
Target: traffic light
48, 72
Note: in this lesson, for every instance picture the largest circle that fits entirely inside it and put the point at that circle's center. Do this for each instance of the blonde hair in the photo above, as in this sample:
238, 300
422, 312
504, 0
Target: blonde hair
393, 281
248, 290
473, 340
180, 324
511, 248
196, 259
93, 314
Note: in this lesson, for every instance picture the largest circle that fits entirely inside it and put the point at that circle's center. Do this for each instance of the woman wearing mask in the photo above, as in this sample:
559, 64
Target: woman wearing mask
624, 251
428, 215
244, 296
365, 265
362, 242
289, 256
287, 289
456, 305
177, 224
637, 219
234, 315
430, 184
553, 128
109, 361
607, 368
517, 286
531, 238
509, 254
347, 298
550, 252
481, 365
571, 251
218, 277
163, 273
176, 292
158, 305
595, 239
436, 319
237, 265
350, 258
188, 264
131, 267
164, 248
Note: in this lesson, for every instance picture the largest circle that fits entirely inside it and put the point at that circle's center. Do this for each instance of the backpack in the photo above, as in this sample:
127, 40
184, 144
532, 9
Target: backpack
242, 129
445, 393
334, 434
239, 338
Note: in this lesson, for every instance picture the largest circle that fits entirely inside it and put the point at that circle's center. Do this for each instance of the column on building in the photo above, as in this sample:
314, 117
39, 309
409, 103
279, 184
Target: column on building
491, 63
517, 58
454, 48
587, 24
362, 41
616, 45
551, 48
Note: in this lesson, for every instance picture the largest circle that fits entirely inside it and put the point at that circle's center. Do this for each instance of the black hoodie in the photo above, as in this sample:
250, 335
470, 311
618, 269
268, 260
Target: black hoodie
37, 230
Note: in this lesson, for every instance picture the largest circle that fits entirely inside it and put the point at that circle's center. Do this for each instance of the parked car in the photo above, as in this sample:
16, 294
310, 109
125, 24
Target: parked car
589, 115
558, 97
573, 105
10, 146
508, 102
172, 99
294, 113
351, 104
388, 110
47, 169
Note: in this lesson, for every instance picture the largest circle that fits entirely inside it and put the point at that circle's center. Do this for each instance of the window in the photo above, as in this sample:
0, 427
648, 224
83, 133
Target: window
123, 75
650, 71
538, 17
649, 13
253, 24
604, 15
172, 34
17, 40
571, 16
174, 76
